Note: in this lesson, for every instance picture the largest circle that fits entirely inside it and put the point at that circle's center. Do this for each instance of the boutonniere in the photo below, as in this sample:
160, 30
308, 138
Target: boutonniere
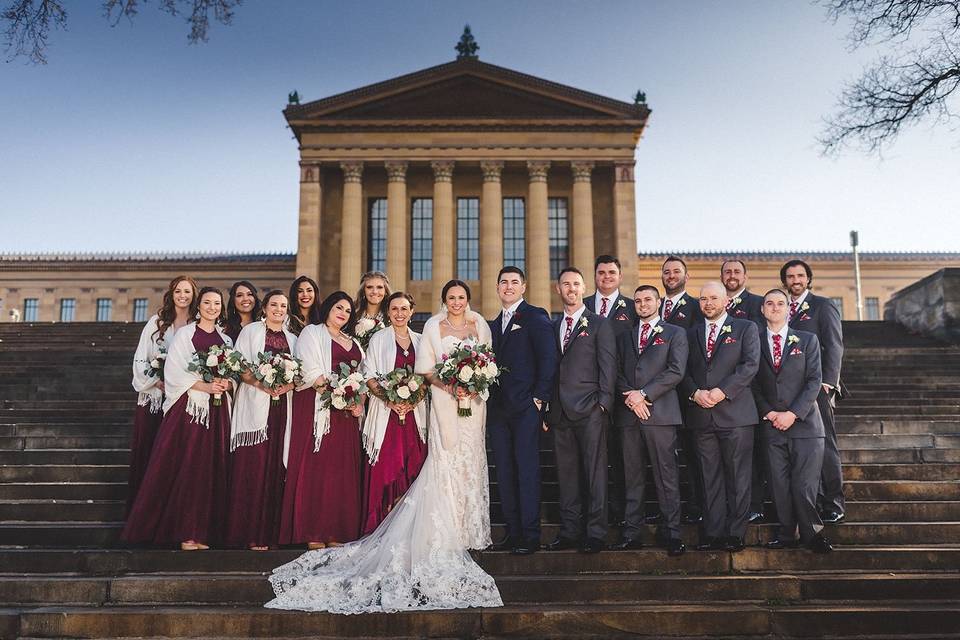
796, 352
804, 306
726, 329
583, 323
793, 339
620, 304
681, 302
658, 341
737, 300
657, 329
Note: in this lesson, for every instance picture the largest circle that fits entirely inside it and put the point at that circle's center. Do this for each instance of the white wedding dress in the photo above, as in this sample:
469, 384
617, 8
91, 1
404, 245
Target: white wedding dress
418, 557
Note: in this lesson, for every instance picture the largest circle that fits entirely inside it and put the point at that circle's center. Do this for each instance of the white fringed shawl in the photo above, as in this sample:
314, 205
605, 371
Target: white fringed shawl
248, 424
148, 394
178, 381
381, 356
315, 349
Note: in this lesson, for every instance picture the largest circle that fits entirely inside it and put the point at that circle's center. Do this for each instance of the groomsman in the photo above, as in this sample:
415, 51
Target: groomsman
786, 389
651, 360
746, 306
683, 310
578, 414
818, 315
527, 355
609, 303
724, 356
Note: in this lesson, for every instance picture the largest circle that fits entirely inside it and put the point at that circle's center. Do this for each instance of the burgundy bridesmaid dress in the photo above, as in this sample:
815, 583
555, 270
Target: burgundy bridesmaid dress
256, 476
184, 492
145, 428
322, 496
401, 457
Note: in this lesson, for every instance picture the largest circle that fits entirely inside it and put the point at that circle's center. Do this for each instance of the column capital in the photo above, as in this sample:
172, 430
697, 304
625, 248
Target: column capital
310, 173
352, 171
442, 170
491, 170
396, 171
538, 170
582, 170
623, 170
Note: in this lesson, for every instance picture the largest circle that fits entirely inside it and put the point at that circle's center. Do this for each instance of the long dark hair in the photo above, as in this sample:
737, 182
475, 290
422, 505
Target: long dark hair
327, 307
195, 307
232, 323
167, 313
313, 315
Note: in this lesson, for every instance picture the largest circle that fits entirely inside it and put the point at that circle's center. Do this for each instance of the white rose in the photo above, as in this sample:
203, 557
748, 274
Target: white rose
466, 374
492, 370
364, 325
211, 360
403, 392
155, 363
413, 385
339, 403
270, 377
264, 369
289, 365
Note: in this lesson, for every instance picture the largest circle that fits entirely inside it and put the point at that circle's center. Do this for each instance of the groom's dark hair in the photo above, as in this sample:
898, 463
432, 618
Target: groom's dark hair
512, 269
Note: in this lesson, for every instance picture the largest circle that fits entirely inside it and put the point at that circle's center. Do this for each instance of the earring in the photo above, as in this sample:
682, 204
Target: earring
198, 315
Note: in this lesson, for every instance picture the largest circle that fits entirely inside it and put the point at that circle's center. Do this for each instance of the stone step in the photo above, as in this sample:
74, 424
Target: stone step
567, 621
49, 429
65, 456
886, 490
63, 490
64, 473
15, 443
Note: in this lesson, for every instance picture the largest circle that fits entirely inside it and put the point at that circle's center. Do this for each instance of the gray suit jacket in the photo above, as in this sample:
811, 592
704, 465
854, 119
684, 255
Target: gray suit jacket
795, 387
621, 317
822, 318
686, 313
586, 373
736, 357
749, 308
657, 372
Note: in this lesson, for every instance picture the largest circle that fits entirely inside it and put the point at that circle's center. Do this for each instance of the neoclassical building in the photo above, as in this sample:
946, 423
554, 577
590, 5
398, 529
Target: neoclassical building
458, 169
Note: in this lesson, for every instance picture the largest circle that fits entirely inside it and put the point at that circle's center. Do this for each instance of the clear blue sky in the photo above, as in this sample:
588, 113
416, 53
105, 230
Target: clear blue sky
131, 140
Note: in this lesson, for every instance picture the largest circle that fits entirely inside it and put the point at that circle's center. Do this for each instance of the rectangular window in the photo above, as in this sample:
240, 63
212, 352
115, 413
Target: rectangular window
421, 239
514, 233
31, 309
140, 310
377, 235
68, 309
838, 303
559, 235
468, 238
872, 310
104, 309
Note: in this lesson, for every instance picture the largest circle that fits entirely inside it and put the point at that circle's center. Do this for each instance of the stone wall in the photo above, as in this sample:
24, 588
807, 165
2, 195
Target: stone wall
930, 306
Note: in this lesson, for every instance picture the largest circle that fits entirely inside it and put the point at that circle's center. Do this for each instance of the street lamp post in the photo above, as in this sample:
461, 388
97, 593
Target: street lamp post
855, 242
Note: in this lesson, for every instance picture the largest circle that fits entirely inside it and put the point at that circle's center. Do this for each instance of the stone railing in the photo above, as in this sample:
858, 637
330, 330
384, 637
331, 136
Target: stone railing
930, 306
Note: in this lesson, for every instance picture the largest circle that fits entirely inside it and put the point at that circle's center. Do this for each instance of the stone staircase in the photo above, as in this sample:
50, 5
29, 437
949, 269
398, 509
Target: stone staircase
65, 416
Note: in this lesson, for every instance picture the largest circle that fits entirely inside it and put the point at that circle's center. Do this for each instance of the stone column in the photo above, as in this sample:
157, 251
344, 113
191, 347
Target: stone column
538, 237
308, 233
581, 227
443, 228
398, 225
625, 220
351, 227
491, 236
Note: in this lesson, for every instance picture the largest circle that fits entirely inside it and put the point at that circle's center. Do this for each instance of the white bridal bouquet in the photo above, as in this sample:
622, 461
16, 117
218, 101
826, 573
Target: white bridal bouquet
403, 386
471, 367
365, 328
274, 370
219, 361
344, 388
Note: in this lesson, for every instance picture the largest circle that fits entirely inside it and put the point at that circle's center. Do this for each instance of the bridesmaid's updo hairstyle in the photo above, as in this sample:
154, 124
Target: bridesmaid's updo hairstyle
168, 311
451, 285
273, 293
233, 316
327, 307
396, 295
195, 307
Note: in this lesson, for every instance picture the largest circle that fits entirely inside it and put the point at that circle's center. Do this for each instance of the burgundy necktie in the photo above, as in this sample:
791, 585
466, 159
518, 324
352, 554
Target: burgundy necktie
730, 304
644, 330
567, 332
777, 352
711, 340
667, 306
603, 307
793, 310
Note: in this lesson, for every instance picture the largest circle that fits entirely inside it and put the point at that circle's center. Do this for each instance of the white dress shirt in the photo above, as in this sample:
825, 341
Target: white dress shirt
706, 327
563, 323
799, 301
674, 300
611, 300
508, 314
653, 325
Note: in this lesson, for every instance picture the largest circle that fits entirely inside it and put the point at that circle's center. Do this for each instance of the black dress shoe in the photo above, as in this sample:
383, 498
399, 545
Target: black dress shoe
733, 544
626, 544
507, 543
675, 547
754, 517
710, 544
526, 547
656, 518
692, 518
819, 544
560, 543
592, 545
832, 517
777, 543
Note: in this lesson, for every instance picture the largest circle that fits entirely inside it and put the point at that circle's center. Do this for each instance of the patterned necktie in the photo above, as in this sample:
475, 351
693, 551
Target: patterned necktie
777, 352
644, 331
730, 304
506, 321
567, 332
793, 309
667, 306
603, 307
711, 339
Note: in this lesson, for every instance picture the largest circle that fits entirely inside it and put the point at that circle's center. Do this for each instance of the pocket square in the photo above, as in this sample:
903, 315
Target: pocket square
582, 333
515, 327
796, 352
739, 313
680, 314
622, 316
658, 341
804, 317
729, 341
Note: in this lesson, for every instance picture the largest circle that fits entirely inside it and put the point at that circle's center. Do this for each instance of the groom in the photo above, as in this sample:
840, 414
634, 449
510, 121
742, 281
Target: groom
527, 356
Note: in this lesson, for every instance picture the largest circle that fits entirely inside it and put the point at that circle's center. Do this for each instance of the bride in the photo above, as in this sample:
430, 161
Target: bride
418, 557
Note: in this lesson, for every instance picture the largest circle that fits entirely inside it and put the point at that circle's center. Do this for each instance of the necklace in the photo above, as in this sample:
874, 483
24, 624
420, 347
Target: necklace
455, 327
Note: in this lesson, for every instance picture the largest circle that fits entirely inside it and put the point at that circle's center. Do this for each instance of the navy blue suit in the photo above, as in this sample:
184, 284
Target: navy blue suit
527, 352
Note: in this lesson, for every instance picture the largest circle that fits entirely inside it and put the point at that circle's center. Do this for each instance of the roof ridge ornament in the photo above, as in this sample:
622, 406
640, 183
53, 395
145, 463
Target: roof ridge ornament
467, 47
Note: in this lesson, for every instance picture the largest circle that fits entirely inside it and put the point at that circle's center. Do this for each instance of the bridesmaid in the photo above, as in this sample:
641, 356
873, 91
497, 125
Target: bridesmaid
243, 307
395, 450
156, 337
304, 304
258, 430
184, 492
322, 497
371, 297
